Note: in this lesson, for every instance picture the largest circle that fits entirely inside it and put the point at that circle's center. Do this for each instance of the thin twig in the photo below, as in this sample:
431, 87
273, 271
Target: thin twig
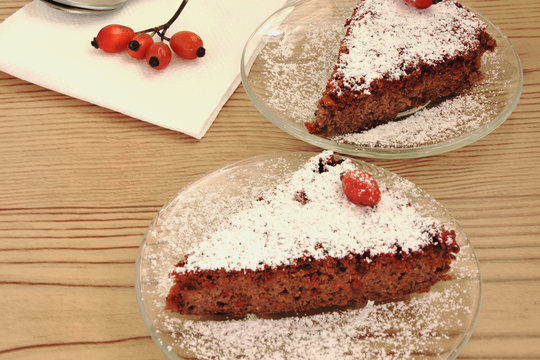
161, 29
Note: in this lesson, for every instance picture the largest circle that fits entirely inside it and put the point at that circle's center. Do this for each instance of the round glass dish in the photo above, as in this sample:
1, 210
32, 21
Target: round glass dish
288, 60
432, 325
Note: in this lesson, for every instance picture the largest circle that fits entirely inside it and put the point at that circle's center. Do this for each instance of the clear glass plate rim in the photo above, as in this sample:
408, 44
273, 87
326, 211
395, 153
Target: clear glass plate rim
383, 153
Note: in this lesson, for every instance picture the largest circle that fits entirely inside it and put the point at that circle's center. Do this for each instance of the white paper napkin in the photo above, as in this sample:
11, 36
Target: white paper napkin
52, 48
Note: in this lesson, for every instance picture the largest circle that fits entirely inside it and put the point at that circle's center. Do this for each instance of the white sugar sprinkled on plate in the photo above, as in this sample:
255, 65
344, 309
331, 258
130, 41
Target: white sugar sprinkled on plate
375, 332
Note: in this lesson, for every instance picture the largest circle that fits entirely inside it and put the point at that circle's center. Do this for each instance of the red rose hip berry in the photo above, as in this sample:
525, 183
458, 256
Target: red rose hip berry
113, 38
420, 4
158, 55
361, 188
138, 45
187, 45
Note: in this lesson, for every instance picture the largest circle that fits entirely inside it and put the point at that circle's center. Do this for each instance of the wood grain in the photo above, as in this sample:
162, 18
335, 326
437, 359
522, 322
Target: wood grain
80, 184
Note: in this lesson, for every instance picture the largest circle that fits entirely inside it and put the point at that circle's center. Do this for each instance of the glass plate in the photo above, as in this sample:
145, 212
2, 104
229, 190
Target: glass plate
288, 60
433, 325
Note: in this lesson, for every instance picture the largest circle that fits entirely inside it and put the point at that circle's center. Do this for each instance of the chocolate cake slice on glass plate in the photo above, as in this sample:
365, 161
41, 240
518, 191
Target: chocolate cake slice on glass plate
395, 57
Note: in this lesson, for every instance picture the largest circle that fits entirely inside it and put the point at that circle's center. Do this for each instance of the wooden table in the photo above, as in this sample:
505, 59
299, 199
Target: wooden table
80, 184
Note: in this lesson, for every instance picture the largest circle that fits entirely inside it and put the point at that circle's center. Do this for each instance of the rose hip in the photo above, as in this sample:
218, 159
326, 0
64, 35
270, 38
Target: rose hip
187, 45
361, 188
141, 45
113, 38
420, 4
158, 55
138, 46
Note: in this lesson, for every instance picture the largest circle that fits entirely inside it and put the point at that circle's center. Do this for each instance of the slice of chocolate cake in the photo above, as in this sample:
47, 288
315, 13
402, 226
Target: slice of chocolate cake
395, 57
304, 246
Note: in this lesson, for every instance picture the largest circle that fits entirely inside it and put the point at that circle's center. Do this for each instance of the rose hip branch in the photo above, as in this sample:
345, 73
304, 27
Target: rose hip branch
116, 38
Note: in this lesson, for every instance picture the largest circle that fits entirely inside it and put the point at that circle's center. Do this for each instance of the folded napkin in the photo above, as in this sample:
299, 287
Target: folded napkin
52, 48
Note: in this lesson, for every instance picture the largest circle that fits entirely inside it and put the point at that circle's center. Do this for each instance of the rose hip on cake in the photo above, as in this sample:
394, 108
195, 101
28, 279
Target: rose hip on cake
361, 188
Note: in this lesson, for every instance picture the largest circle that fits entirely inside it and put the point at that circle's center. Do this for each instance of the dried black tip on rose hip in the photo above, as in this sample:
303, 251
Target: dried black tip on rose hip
437, 1
201, 52
94, 43
134, 45
153, 61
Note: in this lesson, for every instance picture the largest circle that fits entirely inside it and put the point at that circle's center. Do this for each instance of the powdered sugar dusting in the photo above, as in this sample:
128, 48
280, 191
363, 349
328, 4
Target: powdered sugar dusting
298, 67
388, 38
280, 229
